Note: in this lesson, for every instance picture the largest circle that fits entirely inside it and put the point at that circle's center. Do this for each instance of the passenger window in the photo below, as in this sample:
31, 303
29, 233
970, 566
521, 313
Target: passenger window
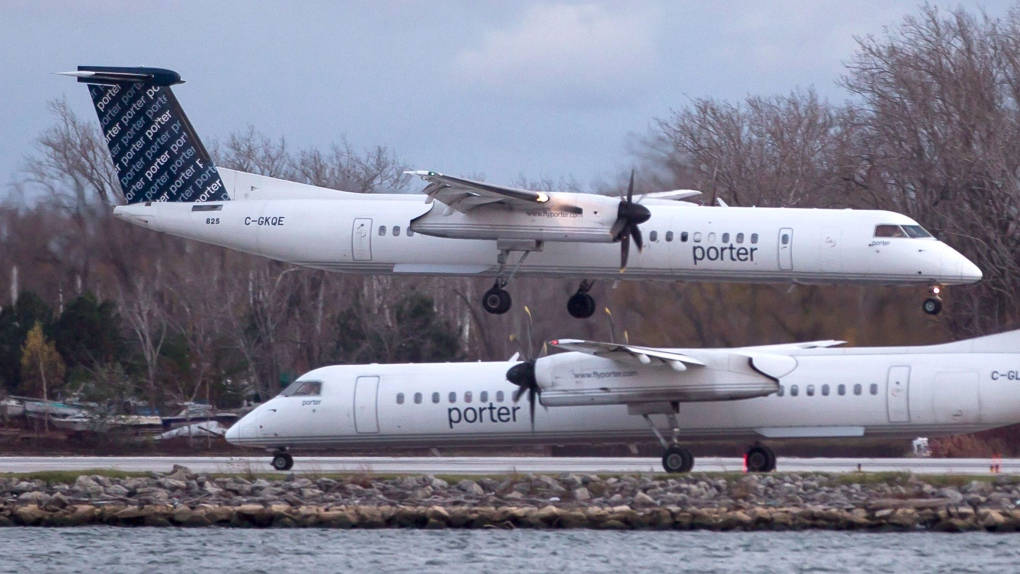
382, 230
793, 390
484, 397
857, 389
396, 231
785, 239
467, 396
711, 237
841, 389
697, 237
810, 391
725, 237
825, 390
669, 236
782, 390
740, 238
435, 398
683, 237
303, 389
653, 236
874, 388
453, 397
417, 398
410, 232
754, 238
889, 231
499, 396
400, 398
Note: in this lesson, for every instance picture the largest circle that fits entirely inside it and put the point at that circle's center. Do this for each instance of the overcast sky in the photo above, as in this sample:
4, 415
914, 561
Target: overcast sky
493, 89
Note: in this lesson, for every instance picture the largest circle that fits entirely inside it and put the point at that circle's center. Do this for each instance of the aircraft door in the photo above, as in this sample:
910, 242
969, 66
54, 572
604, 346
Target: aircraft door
361, 239
786, 249
897, 394
366, 394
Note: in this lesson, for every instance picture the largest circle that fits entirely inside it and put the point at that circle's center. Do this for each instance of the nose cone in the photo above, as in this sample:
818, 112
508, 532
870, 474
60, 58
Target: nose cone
970, 273
242, 430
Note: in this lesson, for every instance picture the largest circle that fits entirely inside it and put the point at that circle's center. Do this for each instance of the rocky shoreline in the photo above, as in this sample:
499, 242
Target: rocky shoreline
730, 502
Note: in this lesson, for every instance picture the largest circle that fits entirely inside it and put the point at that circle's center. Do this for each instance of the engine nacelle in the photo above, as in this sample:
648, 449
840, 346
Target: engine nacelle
572, 379
588, 219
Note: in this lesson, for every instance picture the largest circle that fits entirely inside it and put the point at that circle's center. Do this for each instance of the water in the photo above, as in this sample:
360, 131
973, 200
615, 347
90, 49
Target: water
110, 549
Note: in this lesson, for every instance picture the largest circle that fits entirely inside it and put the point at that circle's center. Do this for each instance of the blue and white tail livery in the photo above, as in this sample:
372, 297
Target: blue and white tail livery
157, 154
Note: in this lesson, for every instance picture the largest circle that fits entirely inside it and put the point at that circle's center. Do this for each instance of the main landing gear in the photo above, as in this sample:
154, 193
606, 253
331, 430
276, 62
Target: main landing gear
582, 305
497, 300
760, 458
282, 460
933, 304
675, 458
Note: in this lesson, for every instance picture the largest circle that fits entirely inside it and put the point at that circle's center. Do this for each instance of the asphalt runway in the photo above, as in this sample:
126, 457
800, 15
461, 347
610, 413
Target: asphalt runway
494, 465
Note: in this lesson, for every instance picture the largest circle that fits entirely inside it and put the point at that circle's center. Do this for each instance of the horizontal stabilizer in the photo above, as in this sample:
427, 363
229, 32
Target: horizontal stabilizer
121, 75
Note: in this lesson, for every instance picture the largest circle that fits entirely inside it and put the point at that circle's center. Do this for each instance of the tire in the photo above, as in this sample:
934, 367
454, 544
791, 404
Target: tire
760, 459
496, 301
932, 305
282, 461
677, 459
581, 305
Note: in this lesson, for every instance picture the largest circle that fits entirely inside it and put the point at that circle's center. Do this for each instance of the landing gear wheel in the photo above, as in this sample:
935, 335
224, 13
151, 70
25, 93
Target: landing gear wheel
282, 461
932, 305
581, 305
677, 459
496, 300
760, 459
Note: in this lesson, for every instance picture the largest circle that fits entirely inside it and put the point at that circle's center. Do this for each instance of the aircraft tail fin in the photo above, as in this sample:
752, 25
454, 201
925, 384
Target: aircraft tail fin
157, 154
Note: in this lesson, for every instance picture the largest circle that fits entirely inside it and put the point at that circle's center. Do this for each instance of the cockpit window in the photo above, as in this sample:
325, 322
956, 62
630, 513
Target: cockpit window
303, 389
889, 231
916, 231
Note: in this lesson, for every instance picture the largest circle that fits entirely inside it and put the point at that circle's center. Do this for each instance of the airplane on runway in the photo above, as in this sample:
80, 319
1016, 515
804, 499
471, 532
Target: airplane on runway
470, 228
612, 393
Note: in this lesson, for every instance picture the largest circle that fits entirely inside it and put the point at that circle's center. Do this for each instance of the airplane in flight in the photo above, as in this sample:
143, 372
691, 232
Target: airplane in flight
470, 228
618, 393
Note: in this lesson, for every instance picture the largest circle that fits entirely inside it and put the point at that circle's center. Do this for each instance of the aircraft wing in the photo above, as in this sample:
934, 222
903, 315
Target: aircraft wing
821, 344
465, 195
630, 353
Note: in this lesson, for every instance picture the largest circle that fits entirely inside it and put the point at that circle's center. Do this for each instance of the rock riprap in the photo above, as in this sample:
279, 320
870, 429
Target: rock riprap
739, 502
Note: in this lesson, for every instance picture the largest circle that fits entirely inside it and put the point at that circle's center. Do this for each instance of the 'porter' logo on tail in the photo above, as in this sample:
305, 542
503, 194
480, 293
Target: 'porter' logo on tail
155, 149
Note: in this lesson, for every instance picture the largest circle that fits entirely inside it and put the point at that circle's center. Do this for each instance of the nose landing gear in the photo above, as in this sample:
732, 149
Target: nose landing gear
933, 304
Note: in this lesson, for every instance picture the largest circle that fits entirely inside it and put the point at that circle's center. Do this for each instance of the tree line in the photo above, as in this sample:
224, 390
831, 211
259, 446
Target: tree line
931, 129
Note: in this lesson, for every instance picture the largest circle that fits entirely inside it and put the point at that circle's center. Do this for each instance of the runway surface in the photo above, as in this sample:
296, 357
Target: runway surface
495, 465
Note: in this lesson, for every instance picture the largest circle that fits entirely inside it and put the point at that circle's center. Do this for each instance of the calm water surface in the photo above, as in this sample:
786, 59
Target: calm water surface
109, 549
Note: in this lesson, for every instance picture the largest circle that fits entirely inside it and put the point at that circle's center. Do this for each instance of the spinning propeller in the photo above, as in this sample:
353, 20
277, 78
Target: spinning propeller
628, 216
523, 374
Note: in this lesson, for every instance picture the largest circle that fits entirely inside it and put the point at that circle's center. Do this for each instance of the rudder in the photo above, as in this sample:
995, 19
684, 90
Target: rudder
155, 150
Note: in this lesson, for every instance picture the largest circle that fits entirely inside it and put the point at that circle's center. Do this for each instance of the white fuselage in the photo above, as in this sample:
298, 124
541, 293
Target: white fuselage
368, 233
856, 392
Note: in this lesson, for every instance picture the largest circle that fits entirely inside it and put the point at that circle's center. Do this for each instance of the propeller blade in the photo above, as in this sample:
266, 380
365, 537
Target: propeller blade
531, 406
635, 234
624, 252
630, 188
618, 228
517, 394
